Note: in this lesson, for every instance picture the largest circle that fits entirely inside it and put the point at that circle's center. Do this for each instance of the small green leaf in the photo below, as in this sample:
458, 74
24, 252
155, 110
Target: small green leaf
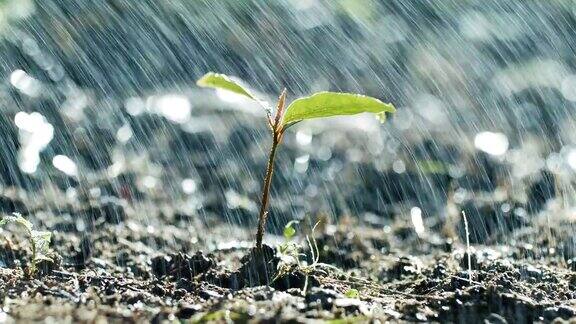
222, 81
16, 219
289, 230
225, 82
41, 240
352, 293
328, 104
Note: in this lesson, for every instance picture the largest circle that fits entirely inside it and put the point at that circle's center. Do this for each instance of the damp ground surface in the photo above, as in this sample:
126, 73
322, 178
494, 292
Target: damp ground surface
168, 234
375, 273
124, 252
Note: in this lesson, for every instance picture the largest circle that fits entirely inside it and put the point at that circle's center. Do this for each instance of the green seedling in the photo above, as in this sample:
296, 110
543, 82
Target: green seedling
289, 230
39, 240
318, 105
352, 293
289, 253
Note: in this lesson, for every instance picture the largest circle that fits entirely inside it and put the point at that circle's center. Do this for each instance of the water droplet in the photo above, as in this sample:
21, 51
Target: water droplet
398, 166
491, 143
176, 108
25, 83
571, 159
568, 87
303, 138
301, 163
416, 216
65, 164
124, 134
188, 186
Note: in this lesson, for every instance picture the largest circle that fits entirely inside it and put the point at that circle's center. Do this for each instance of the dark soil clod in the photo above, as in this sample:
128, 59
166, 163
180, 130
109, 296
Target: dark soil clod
180, 265
259, 266
294, 279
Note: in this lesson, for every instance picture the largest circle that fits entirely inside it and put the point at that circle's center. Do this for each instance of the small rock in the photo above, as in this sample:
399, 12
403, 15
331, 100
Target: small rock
404, 266
199, 263
566, 312
473, 261
160, 265
45, 267
180, 265
550, 313
294, 279
421, 317
531, 272
321, 296
186, 284
259, 266
113, 210
209, 294
347, 302
179, 293
187, 311
110, 210
158, 290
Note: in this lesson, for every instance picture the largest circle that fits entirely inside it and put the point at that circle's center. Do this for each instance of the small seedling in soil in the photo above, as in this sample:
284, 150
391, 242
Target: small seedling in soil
352, 293
39, 240
318, 105
289, 253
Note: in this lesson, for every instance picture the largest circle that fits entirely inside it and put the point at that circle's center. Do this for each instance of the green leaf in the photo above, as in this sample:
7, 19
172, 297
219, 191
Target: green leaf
289, 230
17, 219
352, 293
225, 82
328, 104
41, 240
222, 81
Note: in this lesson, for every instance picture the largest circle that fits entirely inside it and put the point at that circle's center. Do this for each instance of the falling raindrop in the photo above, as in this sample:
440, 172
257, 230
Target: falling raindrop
417, 222
65, 164
491, 143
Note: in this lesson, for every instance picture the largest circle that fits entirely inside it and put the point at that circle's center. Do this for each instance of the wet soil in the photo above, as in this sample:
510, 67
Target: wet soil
113, 274
170, 237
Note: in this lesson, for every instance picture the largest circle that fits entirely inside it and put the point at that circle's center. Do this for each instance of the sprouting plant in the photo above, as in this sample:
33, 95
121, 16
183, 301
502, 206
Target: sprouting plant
318, 105
289, 252
352, 293
39, 240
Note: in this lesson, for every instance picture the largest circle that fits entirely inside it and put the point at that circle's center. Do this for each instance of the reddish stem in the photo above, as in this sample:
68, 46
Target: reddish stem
277, 138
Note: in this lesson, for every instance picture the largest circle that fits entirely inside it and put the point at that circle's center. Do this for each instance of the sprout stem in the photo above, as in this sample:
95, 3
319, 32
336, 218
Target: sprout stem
263, 215
277, 132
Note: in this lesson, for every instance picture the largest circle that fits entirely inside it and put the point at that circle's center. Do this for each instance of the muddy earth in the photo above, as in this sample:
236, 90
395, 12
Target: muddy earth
124, 250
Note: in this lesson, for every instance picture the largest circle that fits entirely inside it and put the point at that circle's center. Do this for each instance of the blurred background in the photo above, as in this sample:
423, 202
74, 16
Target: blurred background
98, 105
